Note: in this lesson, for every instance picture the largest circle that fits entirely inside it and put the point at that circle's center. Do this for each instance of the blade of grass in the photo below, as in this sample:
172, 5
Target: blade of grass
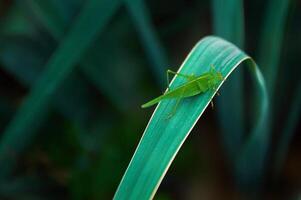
270, 50
55, 13
54, 22
288, 131
56, 25
163, 137
228, 23
250, 163
270, 44
270, 47
23, 58
20, 131
154, 50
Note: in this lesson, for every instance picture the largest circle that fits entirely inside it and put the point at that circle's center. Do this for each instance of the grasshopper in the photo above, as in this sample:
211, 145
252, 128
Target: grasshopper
195, 85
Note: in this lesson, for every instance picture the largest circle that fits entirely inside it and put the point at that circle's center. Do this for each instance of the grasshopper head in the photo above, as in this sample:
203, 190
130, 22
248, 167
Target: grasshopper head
219, 76
216, 75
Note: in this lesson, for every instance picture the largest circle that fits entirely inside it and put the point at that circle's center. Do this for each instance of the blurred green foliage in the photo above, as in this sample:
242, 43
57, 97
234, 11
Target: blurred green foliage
74, 74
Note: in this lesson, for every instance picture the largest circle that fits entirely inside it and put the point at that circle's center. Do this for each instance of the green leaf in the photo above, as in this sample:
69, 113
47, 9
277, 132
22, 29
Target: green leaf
50, 15
24, 58
288, 131
155, 52
228, 22
163, 137
56, 23
270, 53
270, 47
270, 44
54, 15
21, 130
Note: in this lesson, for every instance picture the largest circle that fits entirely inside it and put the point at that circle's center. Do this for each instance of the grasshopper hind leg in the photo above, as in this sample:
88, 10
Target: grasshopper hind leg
174, 109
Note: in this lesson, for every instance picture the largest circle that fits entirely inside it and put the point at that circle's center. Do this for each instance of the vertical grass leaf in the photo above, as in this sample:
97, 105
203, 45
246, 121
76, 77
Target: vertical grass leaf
270, 44
155, 52
270, 50
20, 131
228, 22
50, 15
24, 58
288, 131
56, 25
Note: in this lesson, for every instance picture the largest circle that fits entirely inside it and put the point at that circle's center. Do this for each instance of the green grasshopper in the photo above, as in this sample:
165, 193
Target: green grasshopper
195, 85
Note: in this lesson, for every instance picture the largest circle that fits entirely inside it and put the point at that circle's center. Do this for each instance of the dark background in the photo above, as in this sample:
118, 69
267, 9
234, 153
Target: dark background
81, 142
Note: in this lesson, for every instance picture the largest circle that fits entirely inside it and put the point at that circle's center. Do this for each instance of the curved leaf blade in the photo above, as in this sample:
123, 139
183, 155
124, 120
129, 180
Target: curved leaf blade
163, 138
